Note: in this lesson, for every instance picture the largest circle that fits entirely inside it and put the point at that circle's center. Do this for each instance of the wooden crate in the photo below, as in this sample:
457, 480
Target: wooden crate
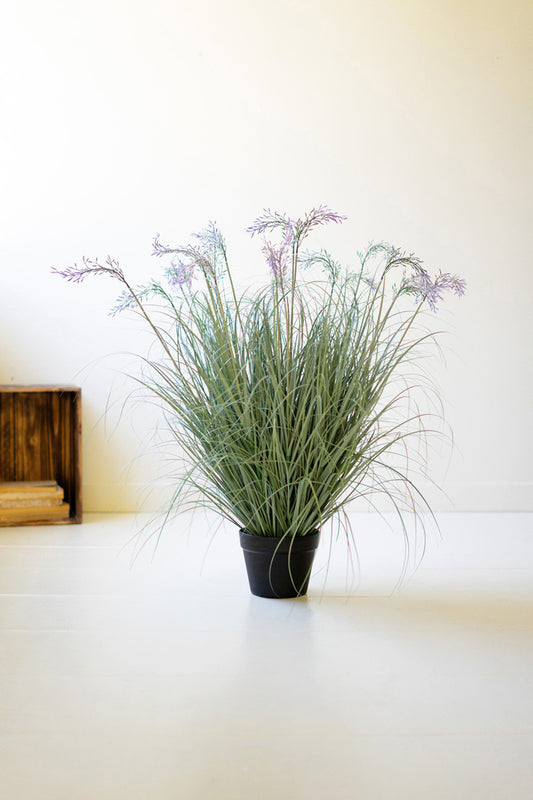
40, 440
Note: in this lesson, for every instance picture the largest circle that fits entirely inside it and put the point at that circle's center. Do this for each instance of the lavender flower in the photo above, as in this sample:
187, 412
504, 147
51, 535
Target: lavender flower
269, 221
288, 236
293, 233
180, 274
277, 256
277, 259
299, 228
158, 249
209, 256
211, 239
452, 283
432, 290
390, 257
317, 216
132, 298
189, 258
324, 260
124, 301
416, 279
77, 274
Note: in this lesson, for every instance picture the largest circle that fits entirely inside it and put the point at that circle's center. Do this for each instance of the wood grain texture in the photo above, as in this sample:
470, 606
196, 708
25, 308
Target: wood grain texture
40, 439
31, 487
42, 514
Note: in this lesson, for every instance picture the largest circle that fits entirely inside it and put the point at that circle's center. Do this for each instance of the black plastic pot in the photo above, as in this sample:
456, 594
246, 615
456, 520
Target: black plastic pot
279, 567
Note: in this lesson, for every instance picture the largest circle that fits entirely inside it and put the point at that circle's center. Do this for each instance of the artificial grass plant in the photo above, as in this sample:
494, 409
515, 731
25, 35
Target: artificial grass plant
291, 400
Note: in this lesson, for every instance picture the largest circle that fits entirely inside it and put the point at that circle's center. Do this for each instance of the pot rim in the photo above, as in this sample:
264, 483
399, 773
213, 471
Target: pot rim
278, 544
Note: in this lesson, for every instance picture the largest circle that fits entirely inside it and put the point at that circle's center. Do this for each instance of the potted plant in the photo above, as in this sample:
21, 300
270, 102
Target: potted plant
288, 401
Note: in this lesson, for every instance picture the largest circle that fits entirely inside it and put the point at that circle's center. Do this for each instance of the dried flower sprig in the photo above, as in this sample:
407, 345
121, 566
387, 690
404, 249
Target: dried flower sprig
424, 288
91, 266
208, 256
269, 220
416, 279
284, 258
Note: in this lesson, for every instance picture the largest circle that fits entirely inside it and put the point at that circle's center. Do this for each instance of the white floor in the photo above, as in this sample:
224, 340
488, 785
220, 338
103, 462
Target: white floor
167, 679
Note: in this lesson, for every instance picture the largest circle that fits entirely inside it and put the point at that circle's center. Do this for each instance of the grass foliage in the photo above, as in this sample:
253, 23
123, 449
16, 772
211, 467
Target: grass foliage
292, 400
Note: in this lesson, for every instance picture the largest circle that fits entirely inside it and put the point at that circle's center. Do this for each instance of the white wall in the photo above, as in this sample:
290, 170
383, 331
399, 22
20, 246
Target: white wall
121, 119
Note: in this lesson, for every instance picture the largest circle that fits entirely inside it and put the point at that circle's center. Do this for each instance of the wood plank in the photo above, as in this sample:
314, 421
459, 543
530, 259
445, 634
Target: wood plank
19, 494
14, 516
30, 502
17, 387
7, 436
27, 486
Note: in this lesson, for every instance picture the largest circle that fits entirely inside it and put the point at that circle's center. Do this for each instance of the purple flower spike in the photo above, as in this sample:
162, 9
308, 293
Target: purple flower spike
77, 274
269, 221
276, 258
323, 216
158, 248
181, 274
432, 291
124, 301
288, 236
452, 283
